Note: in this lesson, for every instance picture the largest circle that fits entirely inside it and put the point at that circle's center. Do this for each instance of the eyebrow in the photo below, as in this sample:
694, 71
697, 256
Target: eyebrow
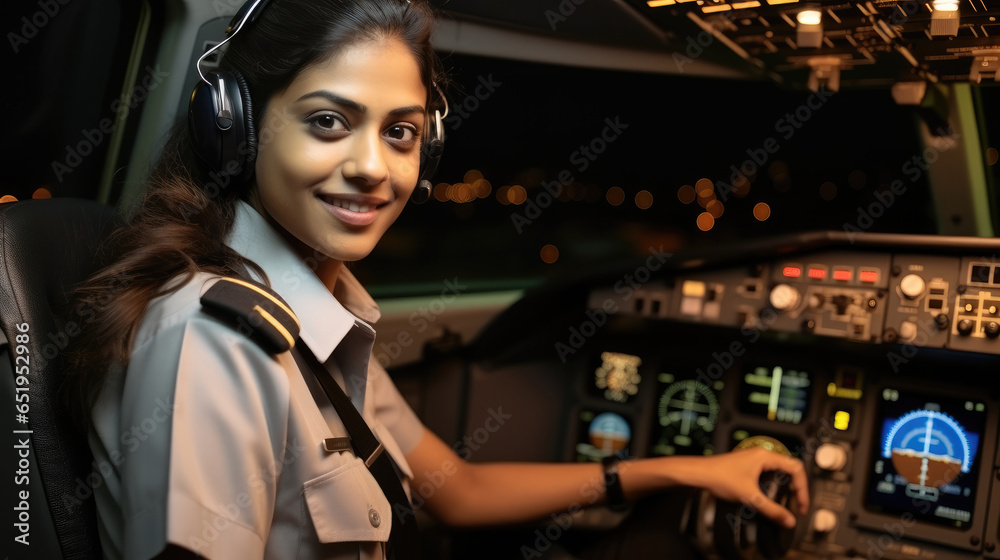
355, 106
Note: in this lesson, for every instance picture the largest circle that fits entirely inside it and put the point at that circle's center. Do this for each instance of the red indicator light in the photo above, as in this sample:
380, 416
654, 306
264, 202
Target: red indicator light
869, 276
792, 272
817, 273
842, 275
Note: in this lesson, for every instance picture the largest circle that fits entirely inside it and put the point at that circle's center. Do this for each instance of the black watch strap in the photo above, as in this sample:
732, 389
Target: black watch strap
614, 495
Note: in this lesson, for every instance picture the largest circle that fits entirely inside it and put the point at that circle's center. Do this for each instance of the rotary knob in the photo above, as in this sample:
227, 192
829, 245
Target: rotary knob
964, 327
831, 457
824, 521
784, 297
912, 286
992, 329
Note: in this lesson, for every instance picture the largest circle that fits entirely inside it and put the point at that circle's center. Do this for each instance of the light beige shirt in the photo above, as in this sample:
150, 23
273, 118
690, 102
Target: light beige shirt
210, 443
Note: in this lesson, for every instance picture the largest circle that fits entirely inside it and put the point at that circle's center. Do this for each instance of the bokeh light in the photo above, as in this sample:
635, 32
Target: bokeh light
644, 199
41, 192
7, 198
828, 191
549, 254
715, 208
686, 194
615, 196
705, 221
762, 211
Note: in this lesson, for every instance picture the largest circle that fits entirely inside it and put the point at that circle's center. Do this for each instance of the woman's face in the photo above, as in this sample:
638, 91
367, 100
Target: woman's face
339, 149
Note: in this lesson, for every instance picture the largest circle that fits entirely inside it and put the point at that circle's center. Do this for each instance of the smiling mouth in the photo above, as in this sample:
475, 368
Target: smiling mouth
348, 205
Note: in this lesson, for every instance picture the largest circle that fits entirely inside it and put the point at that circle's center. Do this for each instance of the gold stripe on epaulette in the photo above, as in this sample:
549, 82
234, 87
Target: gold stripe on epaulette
270, 297
276, 324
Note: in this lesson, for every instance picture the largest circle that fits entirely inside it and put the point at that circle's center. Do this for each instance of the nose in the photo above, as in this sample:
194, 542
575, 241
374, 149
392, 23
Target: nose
366, 161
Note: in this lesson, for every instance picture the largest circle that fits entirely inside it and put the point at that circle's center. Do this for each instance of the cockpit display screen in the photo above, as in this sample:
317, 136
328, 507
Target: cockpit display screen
927, 457
776, 393
602, 434
616, 376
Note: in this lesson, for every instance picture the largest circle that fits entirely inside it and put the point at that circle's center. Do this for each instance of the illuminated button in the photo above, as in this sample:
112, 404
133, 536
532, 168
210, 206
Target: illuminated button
911, 286
817, 273
824, 521
842, 420
868, 276
907, 331
792, 272
842, 275
693, 288
831, 457
784, 297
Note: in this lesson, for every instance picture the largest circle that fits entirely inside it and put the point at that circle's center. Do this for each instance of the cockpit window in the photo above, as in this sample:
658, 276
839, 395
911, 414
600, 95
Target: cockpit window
65, 100
550, 170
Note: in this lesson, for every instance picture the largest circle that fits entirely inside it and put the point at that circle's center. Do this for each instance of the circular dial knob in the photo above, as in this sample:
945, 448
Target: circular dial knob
824, 521
964, 327
992, 329
831, 457
912, 286
784, 297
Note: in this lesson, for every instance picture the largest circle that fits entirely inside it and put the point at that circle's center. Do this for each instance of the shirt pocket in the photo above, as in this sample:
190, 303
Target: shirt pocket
347, 505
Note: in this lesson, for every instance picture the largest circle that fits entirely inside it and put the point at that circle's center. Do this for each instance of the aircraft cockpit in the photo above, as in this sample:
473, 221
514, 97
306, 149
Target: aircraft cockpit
659, 228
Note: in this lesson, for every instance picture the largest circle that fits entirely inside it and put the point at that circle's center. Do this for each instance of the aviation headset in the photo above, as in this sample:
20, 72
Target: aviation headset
221, 120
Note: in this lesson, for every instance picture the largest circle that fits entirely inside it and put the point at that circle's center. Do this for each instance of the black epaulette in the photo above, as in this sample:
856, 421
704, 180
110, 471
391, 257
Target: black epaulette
255, 311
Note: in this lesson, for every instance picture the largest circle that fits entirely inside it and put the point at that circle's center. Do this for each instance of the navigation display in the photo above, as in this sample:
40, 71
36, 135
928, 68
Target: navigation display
776, 393
927, 457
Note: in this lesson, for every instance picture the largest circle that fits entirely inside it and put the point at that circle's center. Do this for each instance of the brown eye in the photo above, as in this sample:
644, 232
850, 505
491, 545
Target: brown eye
401, 134
327, 124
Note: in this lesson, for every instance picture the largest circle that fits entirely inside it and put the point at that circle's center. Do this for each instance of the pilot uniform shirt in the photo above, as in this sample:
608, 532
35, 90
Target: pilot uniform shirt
212, 444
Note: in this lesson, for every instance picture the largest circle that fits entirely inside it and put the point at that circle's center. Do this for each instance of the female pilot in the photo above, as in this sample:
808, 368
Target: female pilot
223, 448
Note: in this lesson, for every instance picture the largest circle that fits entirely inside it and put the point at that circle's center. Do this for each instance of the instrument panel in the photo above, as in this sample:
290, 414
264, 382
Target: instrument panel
875, 366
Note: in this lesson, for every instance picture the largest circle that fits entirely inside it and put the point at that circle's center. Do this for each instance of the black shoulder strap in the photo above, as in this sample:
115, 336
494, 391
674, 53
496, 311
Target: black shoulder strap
404, 539
259, 313
253, 310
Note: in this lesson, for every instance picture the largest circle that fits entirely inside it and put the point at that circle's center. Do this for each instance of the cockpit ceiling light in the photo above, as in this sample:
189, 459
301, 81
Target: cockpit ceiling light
945, 18
945, 5
716, 8
809, 16
776, 2
745, 5
659, 3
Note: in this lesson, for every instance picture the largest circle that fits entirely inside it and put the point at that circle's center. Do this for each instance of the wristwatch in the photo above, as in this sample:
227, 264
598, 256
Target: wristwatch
614, 495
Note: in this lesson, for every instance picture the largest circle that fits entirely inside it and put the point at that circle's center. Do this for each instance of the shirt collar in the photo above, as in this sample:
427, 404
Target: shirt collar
325, 319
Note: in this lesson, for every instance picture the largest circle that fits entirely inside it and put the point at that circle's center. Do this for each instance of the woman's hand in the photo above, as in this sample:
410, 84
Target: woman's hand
735, 477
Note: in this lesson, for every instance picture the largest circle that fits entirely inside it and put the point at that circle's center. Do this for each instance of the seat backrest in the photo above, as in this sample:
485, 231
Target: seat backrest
46, 248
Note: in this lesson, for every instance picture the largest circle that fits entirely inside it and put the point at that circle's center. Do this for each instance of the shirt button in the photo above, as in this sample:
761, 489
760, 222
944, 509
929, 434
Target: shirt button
374, 518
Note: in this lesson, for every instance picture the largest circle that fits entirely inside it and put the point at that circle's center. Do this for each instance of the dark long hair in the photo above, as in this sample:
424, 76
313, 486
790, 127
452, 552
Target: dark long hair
180, 225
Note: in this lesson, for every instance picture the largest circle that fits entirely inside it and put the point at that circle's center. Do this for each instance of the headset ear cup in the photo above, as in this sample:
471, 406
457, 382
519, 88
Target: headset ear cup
249, 150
